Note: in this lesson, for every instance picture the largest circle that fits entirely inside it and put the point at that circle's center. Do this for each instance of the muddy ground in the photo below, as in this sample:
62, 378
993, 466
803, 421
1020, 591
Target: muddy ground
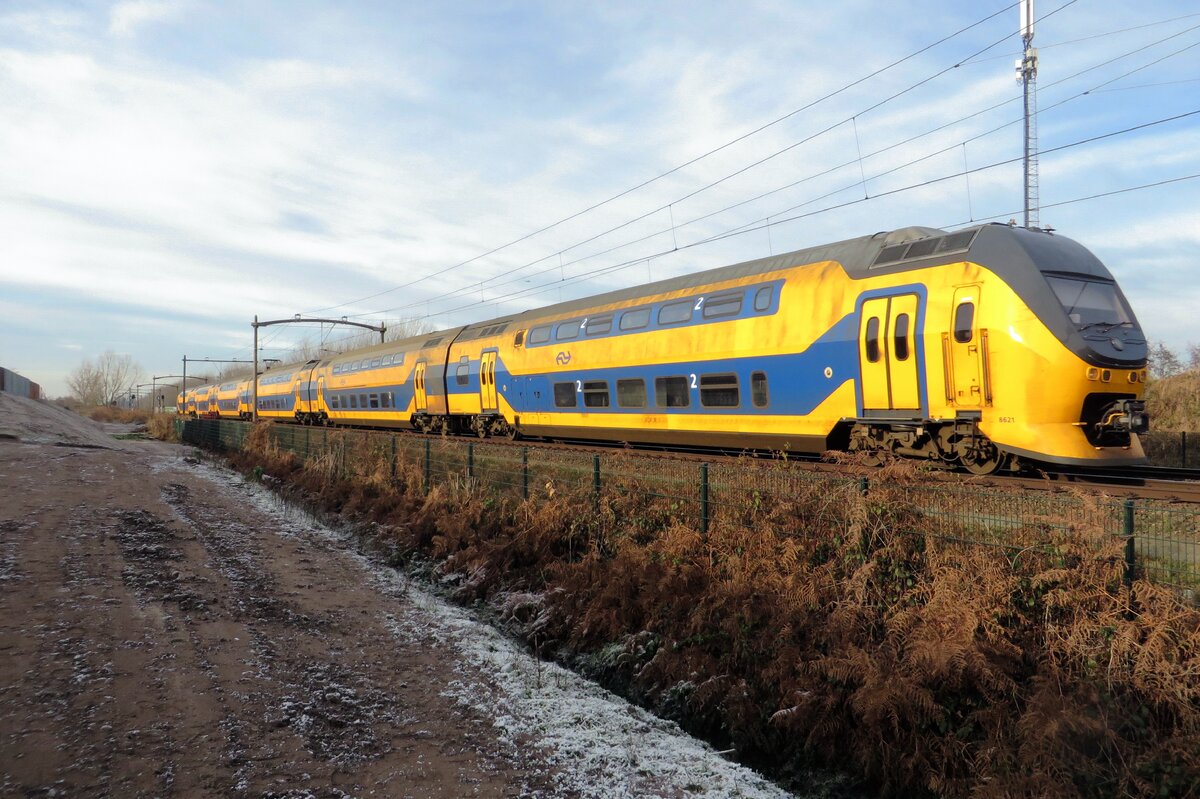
162, 633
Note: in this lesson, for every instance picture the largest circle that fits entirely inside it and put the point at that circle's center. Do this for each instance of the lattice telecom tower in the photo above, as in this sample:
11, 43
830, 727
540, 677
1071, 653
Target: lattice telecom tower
1027, 76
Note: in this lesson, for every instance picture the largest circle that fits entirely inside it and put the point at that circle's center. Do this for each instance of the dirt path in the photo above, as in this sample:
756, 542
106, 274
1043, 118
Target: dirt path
164, 631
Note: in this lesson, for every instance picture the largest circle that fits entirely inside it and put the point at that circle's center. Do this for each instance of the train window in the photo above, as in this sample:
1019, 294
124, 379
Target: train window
672, 392
376, 363
900, 333
566, 331
595, 393
463, 372
433, 342
539, 335
387, 360
758, 389
631, 393
719, 391
724, 305
383, 400
964, 321
519, 338
675, 312
374, 400
873, 339
635, 319
599, 326
333, 401
353, 400
762, 298
564, 395
362, 400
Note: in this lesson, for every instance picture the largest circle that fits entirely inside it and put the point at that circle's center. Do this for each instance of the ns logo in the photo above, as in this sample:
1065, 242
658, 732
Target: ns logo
563, 358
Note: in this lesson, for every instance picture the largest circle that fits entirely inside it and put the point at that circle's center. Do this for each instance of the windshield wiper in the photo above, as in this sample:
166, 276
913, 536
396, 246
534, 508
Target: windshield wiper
1106, 325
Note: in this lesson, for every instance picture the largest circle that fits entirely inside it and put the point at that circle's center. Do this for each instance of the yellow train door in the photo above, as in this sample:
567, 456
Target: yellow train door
872, 356
887, 354
487, 382
420, 399
902, 353
966, 382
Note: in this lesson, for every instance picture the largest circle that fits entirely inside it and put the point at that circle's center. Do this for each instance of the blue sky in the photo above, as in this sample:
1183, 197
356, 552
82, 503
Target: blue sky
170, 168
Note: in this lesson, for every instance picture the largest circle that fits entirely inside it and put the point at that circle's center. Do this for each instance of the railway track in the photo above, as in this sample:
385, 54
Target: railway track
1139, 482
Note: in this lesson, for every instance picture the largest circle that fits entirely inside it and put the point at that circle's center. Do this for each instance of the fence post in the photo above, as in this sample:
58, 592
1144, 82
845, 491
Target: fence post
524, 472
427, 470
596, 483
704, 500
1130, 554
471, 460
1183, 449
864, 486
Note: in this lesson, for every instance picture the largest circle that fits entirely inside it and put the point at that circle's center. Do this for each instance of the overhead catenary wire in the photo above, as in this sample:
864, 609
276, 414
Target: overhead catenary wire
911, 187
523, 267
848, 163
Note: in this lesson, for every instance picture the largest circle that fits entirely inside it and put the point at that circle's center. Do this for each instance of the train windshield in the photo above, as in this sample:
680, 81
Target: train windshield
1091, 303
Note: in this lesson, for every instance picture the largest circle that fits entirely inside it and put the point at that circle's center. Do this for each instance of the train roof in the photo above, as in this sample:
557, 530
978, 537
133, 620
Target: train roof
1018, 255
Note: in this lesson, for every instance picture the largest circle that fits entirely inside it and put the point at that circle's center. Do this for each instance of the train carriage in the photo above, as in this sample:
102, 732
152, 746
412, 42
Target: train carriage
278, 392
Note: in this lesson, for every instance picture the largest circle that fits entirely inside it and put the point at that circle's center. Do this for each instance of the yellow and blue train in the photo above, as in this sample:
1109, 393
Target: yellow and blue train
983, 347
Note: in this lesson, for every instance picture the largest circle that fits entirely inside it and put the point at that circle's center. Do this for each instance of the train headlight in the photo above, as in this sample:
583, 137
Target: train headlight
1093, 373
1133, 377
1105, 375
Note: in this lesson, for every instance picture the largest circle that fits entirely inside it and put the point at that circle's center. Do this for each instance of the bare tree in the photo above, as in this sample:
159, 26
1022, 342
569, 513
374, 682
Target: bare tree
101, 382
1193, 356
307, 349
85, 383
1164, 362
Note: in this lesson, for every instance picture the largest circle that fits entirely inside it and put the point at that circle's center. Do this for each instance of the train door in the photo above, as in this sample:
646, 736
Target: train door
967, 388
420, 398
887, 354
487, 382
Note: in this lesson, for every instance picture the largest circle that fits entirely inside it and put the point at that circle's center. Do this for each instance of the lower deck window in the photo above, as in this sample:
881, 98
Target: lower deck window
758, 389
564, 395
671, 392
631, 393
595, 393
719, 391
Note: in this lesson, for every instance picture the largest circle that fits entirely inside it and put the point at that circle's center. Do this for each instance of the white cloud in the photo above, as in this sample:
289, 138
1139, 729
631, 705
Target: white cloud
127, 16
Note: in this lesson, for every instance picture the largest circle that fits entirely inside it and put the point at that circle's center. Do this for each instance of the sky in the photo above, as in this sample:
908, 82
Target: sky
171, 168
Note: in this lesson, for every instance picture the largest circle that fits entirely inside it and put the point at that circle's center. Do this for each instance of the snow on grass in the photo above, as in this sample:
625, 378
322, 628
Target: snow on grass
594, 743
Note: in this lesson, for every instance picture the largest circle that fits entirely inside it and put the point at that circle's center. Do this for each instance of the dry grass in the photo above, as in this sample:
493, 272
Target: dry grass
816, 624
162, 426
1174, 402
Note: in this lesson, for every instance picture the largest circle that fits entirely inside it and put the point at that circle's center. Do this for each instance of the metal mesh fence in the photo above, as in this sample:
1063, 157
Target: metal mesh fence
1179, 450
1160, 541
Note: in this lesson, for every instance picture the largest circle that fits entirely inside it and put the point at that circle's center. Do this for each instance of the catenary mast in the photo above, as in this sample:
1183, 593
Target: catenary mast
1027, 76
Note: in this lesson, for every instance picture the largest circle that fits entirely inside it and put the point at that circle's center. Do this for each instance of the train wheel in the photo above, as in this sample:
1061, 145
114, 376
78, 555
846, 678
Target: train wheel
985, 461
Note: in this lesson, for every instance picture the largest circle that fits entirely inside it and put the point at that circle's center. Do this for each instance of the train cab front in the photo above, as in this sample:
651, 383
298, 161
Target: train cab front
1104, 333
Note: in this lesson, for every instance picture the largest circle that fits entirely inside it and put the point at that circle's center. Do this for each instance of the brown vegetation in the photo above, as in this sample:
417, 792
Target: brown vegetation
817, 625
1174, 402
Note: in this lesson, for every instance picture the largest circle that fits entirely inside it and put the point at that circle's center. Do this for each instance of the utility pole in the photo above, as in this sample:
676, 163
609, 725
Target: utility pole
381, 329
1027, 77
